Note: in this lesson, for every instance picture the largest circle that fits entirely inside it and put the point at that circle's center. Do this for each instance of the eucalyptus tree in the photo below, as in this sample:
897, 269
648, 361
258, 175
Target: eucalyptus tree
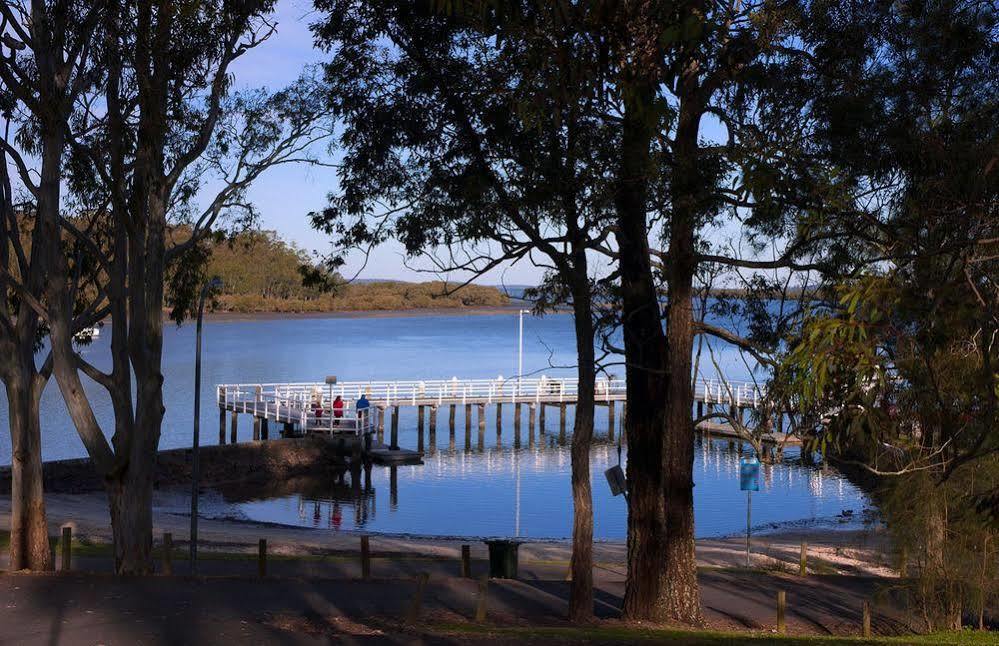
903, 360
46, 64
470, 144
165, 140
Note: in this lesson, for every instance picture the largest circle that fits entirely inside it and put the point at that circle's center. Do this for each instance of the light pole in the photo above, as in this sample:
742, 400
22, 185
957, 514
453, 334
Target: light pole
214, 283
520, 348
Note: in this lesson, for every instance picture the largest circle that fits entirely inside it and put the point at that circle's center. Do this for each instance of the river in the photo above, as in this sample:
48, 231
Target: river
498, 490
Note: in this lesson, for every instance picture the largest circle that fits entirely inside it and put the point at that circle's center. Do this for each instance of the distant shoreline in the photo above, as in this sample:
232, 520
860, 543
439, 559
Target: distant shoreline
513, 308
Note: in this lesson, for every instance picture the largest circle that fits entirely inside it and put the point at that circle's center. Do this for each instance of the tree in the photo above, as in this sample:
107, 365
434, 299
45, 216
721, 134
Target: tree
138, 164
480, 152
45, 66
901, 360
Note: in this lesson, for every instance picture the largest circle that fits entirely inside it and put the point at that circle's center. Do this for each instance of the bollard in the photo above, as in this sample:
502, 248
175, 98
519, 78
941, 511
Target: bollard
466, 561
866, 619
262, 557
365, 558
67, 548
781, 607
482, 600
167, 553
416, 604
803, 565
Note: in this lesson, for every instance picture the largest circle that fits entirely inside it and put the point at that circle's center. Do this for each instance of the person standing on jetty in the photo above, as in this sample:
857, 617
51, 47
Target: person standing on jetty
362, 406
337, 410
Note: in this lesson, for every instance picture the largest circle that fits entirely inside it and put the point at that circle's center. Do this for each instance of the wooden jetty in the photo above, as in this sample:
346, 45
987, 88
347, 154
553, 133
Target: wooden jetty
308, 409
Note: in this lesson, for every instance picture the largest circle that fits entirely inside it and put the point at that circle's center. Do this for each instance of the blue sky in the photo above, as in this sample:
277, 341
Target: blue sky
285, 195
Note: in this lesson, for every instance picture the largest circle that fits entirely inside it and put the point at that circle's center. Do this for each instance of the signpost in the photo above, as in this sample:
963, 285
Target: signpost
749, 481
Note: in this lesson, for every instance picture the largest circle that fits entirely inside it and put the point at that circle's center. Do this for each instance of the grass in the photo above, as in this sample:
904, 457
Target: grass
628, 634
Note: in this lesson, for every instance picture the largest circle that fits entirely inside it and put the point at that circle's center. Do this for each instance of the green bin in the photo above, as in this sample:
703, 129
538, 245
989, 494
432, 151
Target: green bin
503, 558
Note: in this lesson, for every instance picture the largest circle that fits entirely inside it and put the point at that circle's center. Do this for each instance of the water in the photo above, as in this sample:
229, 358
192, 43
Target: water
455, 492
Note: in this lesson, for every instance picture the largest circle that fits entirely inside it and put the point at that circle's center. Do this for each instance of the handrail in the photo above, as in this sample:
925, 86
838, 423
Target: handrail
388, 393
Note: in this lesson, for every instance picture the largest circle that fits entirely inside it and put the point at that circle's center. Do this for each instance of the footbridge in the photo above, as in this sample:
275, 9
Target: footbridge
332, 407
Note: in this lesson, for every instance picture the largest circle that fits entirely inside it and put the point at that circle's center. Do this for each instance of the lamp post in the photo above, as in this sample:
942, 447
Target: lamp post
214, 283
520, 347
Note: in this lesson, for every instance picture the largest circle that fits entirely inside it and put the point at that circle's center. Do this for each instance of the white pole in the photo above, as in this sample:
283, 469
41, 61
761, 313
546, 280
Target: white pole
520, 349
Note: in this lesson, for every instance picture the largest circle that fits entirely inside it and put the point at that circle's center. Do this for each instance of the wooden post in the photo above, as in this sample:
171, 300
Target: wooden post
482, 426
394, 440
451, 427
264, 430
803, 565
610, 420
232, 427
262, 557
532, 411
365, 558
67, 548
781, 607
466, 561
433, 425
866, 619
481, 602
256, 429
167, 553
221, 426
468, 427
419, 418
561, 423
541, 418
700, 408
516, 417
499, 420
380, 420
416, 605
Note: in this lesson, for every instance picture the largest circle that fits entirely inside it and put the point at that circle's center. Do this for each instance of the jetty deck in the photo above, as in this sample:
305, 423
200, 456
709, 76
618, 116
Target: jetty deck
308, 407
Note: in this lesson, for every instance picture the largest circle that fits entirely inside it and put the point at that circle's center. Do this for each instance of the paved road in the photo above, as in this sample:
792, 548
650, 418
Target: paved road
102, 609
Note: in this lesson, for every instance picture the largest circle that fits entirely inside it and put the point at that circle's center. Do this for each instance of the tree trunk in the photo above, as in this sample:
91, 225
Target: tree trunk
644, 346
130, 498
682, 596
29, 538
581, 564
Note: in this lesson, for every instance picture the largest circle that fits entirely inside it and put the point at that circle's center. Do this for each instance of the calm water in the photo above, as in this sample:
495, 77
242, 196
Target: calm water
495, 490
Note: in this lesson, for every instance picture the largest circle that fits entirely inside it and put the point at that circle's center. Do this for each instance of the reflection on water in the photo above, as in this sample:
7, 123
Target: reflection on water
499, 490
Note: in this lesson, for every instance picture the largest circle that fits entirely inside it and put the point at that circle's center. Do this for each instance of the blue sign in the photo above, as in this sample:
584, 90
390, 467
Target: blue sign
749, 474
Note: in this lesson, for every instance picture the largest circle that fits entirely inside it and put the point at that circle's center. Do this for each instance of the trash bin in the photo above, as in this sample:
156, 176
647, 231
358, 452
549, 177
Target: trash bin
503, 558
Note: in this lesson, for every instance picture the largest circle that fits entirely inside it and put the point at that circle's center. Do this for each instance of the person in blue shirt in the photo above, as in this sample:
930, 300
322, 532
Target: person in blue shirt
362, 406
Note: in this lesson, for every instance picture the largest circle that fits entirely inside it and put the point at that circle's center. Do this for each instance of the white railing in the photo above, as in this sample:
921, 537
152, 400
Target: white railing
312, 413
303, 395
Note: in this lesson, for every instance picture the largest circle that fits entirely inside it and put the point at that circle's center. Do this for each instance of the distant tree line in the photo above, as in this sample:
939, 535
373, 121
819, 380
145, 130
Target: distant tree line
261, 272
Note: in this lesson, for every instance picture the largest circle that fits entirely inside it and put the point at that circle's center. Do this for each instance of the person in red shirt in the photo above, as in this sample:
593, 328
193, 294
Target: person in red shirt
337, 410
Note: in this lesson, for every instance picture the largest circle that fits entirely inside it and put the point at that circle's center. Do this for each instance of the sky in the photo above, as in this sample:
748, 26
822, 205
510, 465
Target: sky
285, 196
